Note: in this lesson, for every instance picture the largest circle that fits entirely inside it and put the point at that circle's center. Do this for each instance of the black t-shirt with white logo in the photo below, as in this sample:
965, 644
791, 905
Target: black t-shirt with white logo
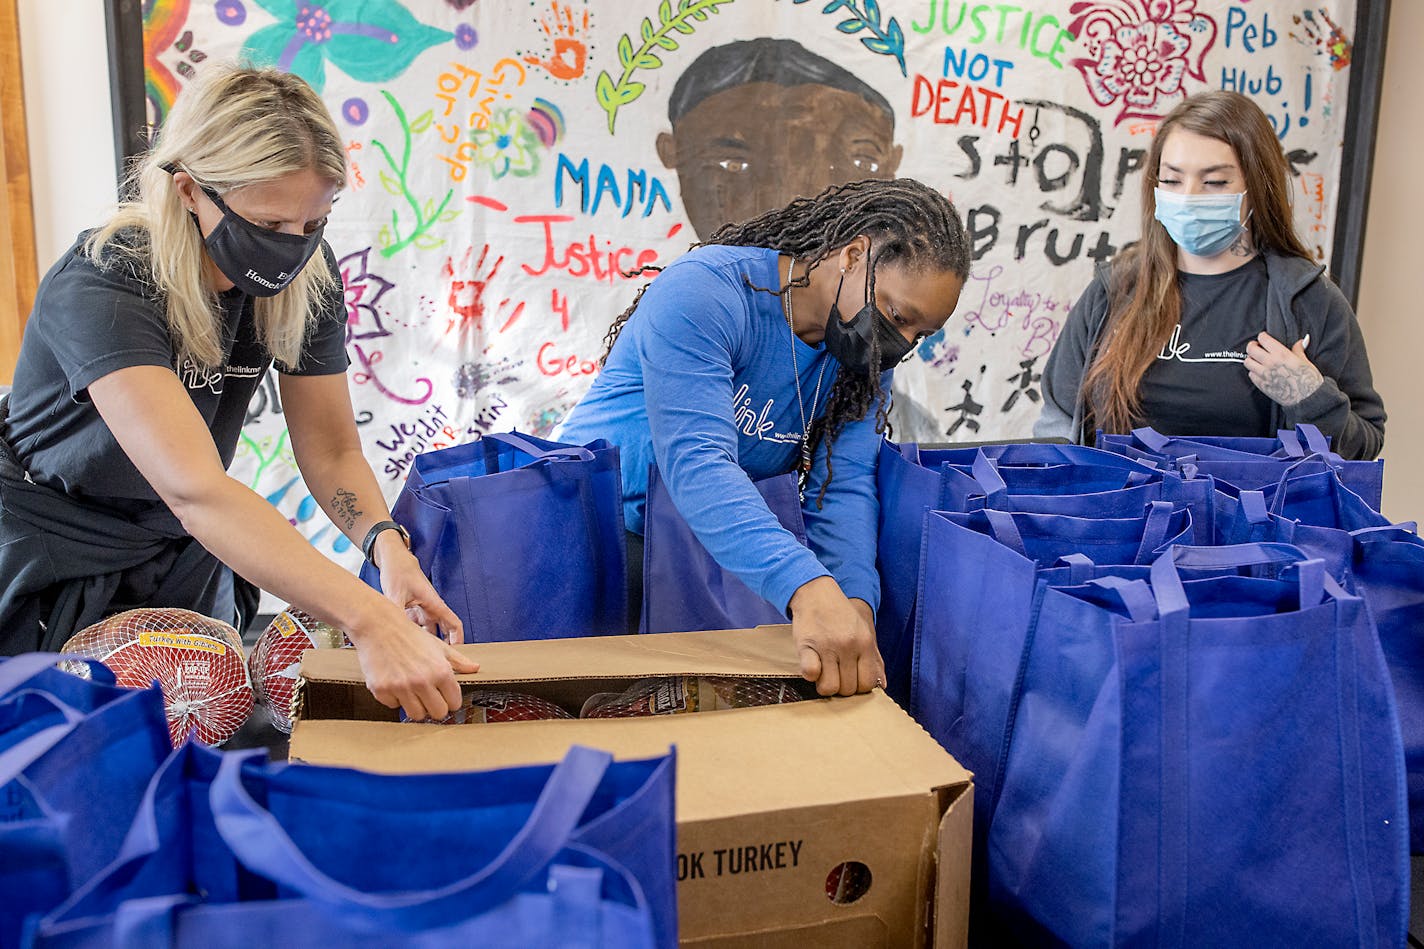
90, 321
1197, 385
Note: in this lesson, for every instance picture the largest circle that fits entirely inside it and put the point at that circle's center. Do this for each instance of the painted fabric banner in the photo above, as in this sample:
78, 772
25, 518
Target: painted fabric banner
511, 164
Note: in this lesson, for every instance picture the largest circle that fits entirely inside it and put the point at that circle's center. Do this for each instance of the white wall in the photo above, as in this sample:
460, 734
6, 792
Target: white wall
66, 73
65, 61
1392, 279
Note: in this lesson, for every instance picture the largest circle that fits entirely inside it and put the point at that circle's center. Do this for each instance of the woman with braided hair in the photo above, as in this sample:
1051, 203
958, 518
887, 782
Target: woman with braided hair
769, 349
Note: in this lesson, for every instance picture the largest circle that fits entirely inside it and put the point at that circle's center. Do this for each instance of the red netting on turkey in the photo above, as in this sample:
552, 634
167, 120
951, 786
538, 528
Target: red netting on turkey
491, 706
196, 660
672, 695
276, 660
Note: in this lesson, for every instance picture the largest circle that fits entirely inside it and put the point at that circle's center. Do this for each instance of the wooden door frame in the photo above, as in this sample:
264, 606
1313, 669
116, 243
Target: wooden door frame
18, 272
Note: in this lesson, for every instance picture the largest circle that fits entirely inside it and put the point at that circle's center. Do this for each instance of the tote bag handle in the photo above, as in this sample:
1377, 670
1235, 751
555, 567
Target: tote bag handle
1313, 580
1406, 531
520, 443
18, 670
1315, 440
15, 759
1326, 462
1290, 441
991, 484
1154, 530
260, 842
1151, 439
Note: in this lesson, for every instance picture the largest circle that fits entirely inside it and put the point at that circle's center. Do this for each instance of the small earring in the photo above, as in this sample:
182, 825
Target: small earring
842, 270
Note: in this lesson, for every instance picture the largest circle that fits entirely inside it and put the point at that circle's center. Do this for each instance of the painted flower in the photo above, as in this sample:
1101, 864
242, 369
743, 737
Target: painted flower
507, 145
1139, 53
369, 40
1138, 64
363, 291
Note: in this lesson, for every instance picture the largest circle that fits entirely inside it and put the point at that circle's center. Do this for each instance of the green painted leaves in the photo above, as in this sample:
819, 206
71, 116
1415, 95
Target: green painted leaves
653, 37
865, 17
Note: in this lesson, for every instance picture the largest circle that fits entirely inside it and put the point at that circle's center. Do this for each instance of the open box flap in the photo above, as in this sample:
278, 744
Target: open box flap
805, 753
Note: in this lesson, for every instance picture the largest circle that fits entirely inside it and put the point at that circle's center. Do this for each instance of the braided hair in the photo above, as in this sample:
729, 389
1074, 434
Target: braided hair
905, 220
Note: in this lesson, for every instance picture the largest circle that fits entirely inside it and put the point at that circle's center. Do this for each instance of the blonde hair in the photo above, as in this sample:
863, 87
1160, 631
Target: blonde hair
234, 126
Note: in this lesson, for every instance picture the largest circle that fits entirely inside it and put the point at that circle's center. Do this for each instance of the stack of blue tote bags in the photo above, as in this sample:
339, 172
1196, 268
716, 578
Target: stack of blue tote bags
1193, 705
524, 539
110, 837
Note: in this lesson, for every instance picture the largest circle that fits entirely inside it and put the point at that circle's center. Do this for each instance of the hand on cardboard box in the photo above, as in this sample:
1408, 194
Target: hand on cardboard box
835, 638
406, 667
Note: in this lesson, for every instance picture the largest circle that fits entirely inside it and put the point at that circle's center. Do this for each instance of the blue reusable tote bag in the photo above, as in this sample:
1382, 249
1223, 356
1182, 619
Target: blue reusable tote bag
1250, 463
1041, 478
75, 757
1314, 493
978, 603
1388, 570
1213, 762
684, 588
1288, 443
1310, 509
321, 856
522, 537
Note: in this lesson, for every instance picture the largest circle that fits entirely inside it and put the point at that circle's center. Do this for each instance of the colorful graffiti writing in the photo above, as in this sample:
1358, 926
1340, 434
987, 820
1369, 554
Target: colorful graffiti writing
1039, 34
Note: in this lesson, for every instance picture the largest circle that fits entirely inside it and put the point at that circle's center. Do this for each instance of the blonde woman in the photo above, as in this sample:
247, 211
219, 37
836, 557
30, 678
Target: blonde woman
1217, 322
145, 344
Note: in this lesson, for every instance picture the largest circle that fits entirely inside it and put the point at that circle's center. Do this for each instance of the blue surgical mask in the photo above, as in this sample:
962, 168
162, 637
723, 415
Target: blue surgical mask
1201, 224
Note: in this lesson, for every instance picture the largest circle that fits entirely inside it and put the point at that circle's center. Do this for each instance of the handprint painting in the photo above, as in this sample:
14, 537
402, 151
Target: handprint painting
564, 32
758, 122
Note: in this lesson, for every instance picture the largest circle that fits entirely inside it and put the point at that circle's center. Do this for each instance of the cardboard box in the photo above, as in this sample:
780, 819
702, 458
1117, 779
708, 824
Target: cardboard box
770, 800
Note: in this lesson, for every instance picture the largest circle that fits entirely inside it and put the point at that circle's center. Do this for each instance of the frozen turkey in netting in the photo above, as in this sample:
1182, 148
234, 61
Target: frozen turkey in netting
672, 695
196, 660
492, 706
276, 660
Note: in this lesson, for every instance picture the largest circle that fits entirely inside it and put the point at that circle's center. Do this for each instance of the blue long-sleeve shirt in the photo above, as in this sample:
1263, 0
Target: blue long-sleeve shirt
701, 382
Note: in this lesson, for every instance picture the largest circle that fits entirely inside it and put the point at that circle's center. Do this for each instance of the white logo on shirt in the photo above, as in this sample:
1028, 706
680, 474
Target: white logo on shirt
750, 421
195, 376
1176, 349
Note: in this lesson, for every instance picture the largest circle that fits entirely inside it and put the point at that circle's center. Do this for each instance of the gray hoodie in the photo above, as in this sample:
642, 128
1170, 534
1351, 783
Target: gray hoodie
1302, 301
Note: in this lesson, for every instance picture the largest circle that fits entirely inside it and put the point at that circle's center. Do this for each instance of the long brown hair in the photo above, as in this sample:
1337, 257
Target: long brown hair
1144, 301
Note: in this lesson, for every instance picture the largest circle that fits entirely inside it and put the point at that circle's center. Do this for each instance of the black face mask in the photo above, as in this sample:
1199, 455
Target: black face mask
259, 262
850, 343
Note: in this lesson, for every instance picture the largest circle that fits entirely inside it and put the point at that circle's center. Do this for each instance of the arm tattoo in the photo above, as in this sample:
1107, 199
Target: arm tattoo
343, 503
1289, 385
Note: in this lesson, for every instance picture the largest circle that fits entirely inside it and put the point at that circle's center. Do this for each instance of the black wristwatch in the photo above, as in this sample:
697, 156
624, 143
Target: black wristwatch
369, 543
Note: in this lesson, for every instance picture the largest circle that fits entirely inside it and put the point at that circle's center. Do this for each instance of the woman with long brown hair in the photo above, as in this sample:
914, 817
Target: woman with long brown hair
1219, 283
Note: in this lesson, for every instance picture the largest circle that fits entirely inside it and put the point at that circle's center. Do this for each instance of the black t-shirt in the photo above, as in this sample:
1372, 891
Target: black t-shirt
1197, 384
90, 321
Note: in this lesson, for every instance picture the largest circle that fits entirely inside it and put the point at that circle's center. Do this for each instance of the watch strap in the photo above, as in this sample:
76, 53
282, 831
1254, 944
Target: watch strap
369, 543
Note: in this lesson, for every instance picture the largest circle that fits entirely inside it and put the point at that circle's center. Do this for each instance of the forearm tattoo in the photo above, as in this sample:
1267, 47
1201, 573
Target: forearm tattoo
1289, 385
343, 503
